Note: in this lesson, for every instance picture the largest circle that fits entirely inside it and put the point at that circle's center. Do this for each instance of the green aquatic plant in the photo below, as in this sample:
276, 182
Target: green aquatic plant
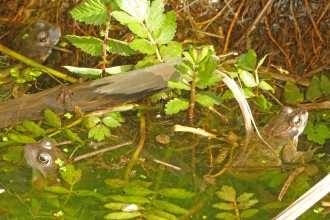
240, 206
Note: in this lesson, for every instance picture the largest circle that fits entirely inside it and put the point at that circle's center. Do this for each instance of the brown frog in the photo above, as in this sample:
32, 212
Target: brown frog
281, 135
41, 37
41, 157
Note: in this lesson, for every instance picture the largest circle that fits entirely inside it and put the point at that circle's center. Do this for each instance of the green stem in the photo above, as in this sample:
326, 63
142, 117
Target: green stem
36, 64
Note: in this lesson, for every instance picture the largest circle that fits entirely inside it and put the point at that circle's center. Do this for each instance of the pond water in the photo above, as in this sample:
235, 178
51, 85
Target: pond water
100, 186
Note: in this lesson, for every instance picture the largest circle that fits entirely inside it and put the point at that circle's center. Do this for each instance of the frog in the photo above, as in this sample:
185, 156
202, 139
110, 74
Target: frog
279, 144
41, 157
41, 37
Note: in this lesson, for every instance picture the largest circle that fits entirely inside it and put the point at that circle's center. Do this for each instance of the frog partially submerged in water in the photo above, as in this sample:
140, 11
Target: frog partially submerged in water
281, 135
41, 37
41, 157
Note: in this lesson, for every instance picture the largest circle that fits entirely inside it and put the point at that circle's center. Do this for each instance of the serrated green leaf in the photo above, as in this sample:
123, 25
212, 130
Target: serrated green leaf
169, 207
57, 189
94, 119
52, 119
172, 51
14, 155
226, 215
71, 136
22, 139
325, 85
137, 191
137, 9
143, 45
249, 213
71, 175
185, 69
91, 12
177, 83
176, 105
247, 78
176, 193
247, 204
209, 81
119, 47
264, 85
313, 90
99, 132
122, 215
227, 193
224, 206
261, 61
116, 115
292, 93
130, 199
110, 122
92, 73
247, 60
91, 45
322, 130
138, 29
123, 17
208, 98
155, 17
166, 33
187, 55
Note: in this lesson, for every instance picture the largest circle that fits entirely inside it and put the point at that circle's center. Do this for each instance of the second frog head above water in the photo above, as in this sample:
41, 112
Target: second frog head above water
41, 37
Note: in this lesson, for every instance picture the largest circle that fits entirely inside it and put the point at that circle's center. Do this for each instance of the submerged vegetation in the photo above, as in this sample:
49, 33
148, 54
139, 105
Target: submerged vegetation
165, 175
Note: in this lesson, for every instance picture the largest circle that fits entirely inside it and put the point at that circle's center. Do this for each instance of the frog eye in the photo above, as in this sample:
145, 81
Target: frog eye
43, 159
297, 121
43, 37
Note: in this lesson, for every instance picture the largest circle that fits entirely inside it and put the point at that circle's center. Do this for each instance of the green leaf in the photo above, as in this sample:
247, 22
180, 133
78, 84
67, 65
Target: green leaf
249, 213
166, 33
226, 215
247, 204
292, 93
110, 122
91, 45
71, 135
177, 83
313, 90
169, 207
247, 78
34, 128
208, 98
119, 47
224, 206
91, 12
227, 193
137, 191
160, 215
52, 119
138, 29
115, 115
247, 60
130, 199
176, 193
264, 85
96, 73
323, 130
144, 46
123, 17
22, 139
57, 189
14, 155
325, 85
14, 72
263, 102
71, 175
172, 51
115, 183
114, 205
261, 61
99, 132
155, 17
176, 105
137, 9
122, 215
185, 69
248, 93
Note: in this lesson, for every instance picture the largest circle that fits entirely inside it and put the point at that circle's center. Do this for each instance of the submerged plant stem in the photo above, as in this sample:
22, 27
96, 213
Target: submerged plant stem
139, 147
